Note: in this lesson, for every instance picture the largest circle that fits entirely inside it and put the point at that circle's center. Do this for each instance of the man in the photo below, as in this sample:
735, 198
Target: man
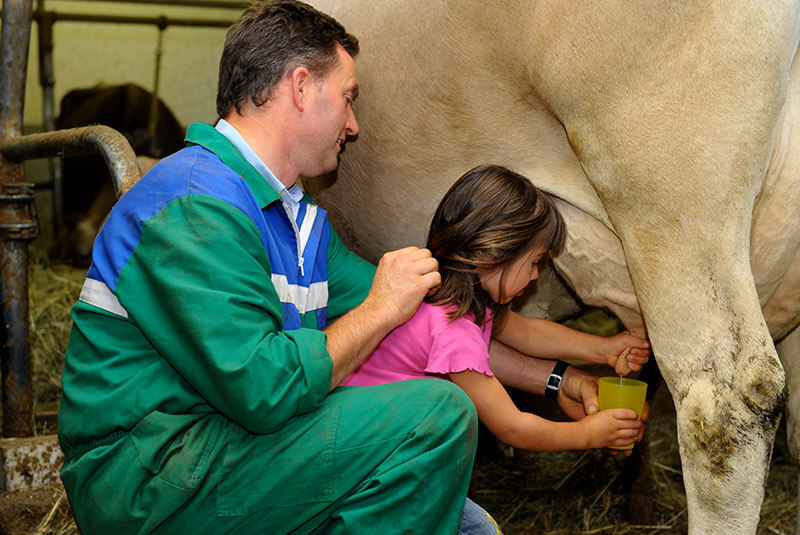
221, 311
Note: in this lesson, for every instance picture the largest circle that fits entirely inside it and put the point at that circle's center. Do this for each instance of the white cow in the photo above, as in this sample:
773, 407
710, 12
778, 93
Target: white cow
668, 129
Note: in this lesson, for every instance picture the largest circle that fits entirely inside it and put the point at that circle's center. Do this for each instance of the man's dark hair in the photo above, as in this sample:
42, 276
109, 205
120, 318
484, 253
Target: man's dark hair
269, 41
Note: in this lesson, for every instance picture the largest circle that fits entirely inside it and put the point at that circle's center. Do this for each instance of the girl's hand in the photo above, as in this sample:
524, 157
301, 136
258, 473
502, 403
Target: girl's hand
612, 427
625, 352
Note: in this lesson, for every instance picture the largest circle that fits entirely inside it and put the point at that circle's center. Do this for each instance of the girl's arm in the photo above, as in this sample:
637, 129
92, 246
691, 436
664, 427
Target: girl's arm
614, 427
550, 340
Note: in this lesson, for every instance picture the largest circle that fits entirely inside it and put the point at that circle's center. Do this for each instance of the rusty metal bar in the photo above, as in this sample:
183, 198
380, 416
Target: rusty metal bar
45, 20
125, 19
15, 225
53, 16
182, 3
18, 225
152, 123
47, 81
113, 146
14, 44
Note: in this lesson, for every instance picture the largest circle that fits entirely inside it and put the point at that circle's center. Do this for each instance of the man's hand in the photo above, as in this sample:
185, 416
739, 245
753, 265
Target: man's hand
578, 393
402, 280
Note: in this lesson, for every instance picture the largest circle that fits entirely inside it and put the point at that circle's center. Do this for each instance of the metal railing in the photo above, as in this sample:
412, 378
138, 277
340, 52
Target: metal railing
18, 219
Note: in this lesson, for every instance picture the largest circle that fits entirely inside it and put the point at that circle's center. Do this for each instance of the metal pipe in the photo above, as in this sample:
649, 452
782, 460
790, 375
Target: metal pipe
15, 225
18, 226
124, 19
115, 149
184, 3
47, 80
14, 44
152, 124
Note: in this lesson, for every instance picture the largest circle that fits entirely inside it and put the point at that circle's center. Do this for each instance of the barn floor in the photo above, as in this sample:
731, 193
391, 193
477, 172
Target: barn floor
40, 511
530, 493
583, 492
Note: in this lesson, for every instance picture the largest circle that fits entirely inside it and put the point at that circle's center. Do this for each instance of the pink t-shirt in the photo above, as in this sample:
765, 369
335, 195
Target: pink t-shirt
427, 345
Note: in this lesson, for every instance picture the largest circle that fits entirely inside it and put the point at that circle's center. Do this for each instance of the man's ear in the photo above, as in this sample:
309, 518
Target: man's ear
301, 82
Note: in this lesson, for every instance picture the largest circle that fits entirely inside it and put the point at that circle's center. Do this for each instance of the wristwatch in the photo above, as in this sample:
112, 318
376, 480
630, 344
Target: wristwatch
554, 380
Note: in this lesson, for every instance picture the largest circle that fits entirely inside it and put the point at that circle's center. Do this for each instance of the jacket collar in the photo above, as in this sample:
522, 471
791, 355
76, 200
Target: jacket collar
209, 138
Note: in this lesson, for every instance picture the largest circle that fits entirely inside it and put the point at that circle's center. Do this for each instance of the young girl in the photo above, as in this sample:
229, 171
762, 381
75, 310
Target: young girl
490, 233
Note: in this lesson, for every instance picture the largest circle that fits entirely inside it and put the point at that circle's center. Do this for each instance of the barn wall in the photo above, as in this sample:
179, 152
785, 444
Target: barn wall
86, 54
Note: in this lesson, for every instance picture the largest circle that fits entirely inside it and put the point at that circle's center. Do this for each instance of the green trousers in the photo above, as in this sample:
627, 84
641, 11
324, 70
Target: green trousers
390, 459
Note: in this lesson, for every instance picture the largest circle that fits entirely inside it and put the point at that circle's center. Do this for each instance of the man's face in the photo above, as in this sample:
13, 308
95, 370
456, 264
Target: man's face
331, 115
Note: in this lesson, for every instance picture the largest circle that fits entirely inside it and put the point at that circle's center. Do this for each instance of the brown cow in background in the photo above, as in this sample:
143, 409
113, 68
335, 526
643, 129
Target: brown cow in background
88, 193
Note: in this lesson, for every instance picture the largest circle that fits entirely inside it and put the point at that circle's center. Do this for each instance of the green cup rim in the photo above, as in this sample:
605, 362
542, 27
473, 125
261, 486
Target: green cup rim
626, 381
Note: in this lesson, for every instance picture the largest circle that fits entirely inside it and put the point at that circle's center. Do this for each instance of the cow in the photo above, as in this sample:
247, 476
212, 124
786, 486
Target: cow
74, 241
88, 193
668, 133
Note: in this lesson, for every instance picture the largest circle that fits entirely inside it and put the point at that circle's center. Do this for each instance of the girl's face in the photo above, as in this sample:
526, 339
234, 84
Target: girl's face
503, 285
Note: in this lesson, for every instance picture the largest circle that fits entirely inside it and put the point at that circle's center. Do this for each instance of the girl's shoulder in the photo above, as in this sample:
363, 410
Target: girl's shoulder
437, 317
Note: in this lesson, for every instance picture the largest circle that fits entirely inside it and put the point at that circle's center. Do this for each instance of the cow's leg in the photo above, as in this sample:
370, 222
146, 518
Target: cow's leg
693, 278
730, 400
717, 357
75, 241
692, 275
704, 320
679, 192
789, 352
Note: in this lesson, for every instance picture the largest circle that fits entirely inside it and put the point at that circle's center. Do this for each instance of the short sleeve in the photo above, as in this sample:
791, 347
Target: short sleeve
459, 346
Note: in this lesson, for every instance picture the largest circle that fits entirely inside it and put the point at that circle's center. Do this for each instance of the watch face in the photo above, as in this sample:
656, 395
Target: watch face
554, 381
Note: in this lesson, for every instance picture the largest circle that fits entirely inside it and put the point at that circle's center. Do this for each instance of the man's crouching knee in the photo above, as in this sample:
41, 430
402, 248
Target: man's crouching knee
452, 415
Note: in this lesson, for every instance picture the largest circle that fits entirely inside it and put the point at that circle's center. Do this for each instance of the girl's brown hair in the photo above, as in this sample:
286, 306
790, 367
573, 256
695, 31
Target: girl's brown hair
488, 219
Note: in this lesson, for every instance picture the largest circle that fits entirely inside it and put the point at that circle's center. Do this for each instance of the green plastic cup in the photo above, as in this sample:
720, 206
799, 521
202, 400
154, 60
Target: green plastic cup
622, 393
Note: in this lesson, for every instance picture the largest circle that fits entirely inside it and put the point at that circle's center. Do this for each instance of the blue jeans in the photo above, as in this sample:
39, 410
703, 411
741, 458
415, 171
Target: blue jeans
476, 521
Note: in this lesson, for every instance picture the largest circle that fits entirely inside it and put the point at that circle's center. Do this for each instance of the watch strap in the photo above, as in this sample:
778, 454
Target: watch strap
554, 380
